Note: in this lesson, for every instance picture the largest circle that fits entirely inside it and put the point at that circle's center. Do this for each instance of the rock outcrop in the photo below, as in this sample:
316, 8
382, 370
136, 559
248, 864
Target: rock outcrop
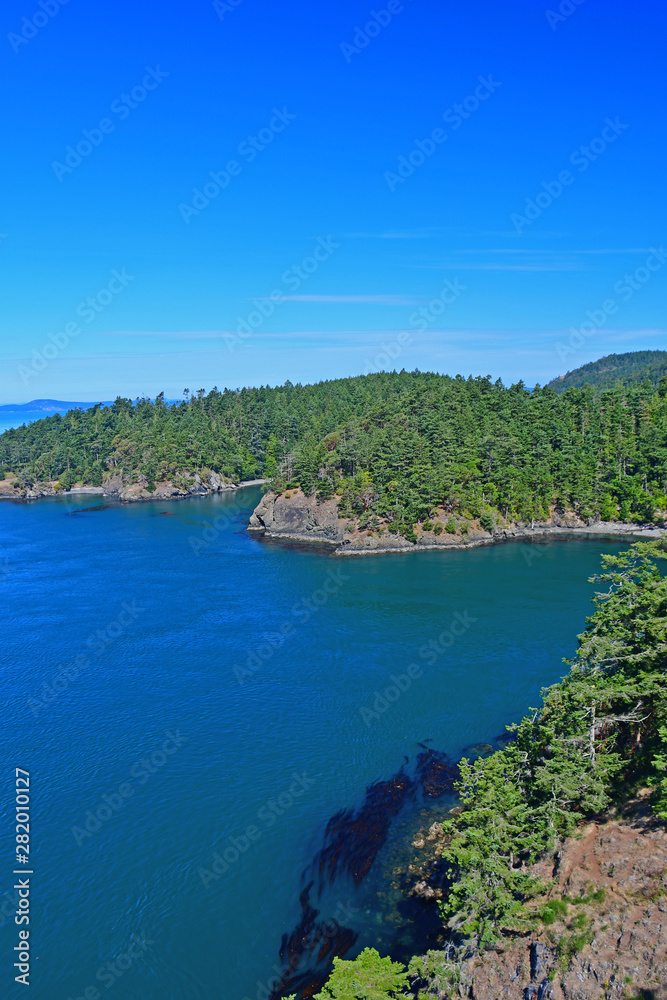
117, 488
609, 941
291, 515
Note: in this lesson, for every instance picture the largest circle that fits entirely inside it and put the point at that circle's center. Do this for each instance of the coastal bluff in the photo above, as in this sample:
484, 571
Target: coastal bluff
294, 516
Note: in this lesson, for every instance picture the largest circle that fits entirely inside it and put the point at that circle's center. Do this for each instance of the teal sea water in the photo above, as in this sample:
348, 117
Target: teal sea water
194, 705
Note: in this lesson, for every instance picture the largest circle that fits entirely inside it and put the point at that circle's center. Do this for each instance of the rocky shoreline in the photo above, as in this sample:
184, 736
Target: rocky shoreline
295, 517
117, 489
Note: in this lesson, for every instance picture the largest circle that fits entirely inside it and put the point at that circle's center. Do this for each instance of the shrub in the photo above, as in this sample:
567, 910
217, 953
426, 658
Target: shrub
486, 520
555, 909
451, 527
437, 528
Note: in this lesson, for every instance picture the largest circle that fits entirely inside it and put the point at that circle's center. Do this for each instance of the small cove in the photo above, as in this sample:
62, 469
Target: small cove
280, 700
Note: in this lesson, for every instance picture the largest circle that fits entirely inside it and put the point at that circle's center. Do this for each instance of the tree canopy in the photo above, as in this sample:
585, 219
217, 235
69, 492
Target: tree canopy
395, 445
368, 977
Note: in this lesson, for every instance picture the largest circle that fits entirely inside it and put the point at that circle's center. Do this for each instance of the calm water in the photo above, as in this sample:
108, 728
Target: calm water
162, 609
9, 420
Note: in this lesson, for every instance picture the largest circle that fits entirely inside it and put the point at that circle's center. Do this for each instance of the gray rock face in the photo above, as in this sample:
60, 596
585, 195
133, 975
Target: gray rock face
301, 518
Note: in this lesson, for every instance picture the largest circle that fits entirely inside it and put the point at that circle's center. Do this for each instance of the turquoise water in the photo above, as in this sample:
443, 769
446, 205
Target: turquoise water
122, 624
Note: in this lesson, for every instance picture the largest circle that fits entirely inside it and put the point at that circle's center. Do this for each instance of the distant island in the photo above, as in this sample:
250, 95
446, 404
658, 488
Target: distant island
47, 406
382, 461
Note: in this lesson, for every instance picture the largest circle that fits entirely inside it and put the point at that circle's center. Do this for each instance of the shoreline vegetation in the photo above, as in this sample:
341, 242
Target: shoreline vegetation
319, 524
380, 462
551, 875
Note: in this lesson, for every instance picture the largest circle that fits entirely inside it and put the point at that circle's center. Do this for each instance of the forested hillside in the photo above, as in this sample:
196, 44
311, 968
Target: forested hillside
629, 369
390, 445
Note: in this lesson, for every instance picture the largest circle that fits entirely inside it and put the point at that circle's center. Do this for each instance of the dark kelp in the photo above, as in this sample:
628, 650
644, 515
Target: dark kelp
296, 950
353, 839
436, 773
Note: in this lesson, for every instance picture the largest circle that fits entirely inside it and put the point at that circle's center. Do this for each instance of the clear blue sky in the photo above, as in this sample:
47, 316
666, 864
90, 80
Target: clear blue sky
339, 115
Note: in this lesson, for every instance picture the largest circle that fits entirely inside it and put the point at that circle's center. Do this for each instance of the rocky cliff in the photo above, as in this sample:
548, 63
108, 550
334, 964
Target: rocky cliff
292, 515
607, 935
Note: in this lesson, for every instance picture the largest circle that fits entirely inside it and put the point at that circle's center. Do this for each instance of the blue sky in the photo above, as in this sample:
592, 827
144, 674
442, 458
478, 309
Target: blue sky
304, 113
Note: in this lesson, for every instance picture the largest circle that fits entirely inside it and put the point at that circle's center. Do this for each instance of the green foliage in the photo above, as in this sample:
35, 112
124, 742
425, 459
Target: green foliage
486, 520
660, 776
451, 527
437, 528
440, 971
397, 446
598, 733
581, 934
598, 896
368, 977
629, 369
555, 909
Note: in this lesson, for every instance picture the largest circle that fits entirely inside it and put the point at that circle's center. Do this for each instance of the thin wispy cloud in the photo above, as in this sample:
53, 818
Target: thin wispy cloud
544, 234
524, 259
376, 300
538, 250
420, 233
464, 265
167, 334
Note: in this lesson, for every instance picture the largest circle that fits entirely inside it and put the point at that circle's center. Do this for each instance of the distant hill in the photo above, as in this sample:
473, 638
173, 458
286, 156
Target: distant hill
630, 369
46, 406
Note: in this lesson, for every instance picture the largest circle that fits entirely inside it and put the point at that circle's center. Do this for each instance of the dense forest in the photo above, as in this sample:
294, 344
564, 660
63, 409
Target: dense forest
628, 369
396, 446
